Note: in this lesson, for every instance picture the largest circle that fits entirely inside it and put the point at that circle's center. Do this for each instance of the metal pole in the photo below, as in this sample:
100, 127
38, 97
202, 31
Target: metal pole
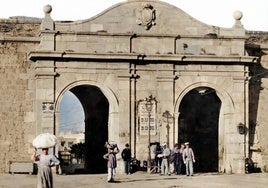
149, 148
168, 133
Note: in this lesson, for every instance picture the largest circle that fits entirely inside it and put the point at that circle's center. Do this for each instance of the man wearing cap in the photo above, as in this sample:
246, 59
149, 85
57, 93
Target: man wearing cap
188, 159
165, 160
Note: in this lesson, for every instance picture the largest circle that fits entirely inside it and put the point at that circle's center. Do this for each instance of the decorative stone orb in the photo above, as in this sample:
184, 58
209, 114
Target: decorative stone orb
47, 9
237, 15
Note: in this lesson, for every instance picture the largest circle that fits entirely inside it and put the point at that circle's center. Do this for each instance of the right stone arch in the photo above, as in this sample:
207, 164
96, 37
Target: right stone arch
226, 120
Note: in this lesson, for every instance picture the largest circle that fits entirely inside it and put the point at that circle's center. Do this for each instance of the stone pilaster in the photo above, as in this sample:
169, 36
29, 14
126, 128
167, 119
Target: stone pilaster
166, 94
45, 99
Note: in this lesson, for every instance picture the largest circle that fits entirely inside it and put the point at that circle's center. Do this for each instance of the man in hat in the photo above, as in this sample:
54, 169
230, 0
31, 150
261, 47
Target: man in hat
165, 160
188, 159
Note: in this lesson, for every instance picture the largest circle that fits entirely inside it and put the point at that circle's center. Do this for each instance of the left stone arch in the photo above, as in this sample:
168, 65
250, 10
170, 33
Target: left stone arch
113, 118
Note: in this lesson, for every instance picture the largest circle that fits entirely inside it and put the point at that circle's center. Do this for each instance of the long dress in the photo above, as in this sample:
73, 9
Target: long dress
44, 176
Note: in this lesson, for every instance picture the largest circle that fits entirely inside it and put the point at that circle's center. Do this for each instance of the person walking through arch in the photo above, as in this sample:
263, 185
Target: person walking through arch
188, 159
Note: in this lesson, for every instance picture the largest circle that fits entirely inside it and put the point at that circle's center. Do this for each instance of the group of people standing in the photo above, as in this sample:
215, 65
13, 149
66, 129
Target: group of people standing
169, 161
166, 160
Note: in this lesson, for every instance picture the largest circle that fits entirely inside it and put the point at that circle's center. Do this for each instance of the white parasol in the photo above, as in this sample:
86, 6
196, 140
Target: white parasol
45, 140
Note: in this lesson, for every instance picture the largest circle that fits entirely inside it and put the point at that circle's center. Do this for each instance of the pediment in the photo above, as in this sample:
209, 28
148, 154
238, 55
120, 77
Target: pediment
141, 17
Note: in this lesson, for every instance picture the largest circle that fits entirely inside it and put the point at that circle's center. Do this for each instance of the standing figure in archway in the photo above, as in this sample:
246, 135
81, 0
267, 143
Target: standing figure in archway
182, 167
111, 161
188, 158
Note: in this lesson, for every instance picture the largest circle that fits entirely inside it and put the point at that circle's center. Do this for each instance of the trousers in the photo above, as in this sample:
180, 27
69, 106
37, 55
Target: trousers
189, 167
165, 166
127, 166
111, 173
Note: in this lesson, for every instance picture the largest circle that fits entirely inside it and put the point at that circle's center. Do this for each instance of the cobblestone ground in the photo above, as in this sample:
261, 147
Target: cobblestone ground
141, 180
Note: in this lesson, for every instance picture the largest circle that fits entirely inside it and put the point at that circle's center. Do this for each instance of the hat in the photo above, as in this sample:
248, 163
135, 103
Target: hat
186, 143
164, 144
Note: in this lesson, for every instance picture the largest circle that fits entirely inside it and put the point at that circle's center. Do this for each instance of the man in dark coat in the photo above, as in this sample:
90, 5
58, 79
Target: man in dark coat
126, 156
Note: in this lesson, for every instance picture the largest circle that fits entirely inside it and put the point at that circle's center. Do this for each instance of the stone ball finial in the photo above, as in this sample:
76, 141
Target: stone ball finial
237, 15
47, 9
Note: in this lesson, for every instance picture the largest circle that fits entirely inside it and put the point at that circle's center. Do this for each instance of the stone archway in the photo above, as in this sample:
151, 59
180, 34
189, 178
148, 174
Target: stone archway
198, 124
100, 112
226, 119
96, 108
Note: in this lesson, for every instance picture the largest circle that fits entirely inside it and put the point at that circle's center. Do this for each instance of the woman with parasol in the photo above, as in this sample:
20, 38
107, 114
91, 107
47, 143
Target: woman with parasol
44, 161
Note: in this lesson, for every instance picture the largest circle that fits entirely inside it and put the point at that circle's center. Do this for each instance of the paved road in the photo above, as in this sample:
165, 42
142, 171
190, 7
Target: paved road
141, 180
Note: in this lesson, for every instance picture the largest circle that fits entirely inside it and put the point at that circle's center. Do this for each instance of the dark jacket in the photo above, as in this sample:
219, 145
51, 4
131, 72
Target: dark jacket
126, 154
176, 158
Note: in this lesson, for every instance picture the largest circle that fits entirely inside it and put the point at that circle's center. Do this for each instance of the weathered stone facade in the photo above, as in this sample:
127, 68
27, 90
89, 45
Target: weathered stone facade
127, 53
18, 37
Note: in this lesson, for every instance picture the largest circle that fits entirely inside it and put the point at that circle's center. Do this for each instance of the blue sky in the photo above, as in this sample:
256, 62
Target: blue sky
71, 113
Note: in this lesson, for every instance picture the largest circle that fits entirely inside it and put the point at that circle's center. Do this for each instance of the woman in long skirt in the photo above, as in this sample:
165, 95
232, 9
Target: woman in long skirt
44, 162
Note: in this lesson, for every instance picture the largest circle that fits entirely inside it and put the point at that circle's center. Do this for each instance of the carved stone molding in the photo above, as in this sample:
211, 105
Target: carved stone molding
146, 16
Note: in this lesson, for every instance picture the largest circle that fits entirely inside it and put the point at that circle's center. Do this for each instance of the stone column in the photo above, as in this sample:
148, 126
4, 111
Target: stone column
133, 114
124, 131
236, 139
165, 96
45, 96
45, 77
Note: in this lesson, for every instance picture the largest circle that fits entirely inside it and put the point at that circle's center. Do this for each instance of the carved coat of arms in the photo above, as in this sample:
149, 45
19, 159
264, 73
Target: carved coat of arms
146, 16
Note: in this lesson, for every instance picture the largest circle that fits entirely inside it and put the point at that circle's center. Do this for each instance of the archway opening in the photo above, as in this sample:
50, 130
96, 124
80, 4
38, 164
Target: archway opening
95, 108
198, 124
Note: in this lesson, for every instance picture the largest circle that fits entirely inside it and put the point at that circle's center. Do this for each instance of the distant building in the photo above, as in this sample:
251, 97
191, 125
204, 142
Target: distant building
67, 139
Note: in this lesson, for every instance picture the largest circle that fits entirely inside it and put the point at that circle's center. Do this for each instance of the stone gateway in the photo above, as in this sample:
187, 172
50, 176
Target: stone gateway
144, 72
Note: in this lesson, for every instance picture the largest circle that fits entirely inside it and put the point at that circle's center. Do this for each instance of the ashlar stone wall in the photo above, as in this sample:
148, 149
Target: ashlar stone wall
17, 37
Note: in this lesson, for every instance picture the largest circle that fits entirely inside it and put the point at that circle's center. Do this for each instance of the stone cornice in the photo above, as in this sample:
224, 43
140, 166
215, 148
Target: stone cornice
104, 33
19, 39
54, 55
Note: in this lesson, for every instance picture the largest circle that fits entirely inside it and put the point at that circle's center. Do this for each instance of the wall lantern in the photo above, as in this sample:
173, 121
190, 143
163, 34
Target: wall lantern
149, 105
241, 128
